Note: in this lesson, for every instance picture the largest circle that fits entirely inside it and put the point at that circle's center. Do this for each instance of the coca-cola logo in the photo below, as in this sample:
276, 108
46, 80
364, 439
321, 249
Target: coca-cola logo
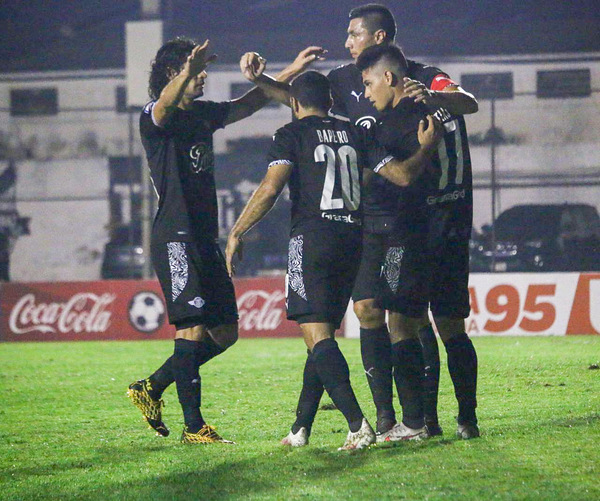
261, 310
83, 312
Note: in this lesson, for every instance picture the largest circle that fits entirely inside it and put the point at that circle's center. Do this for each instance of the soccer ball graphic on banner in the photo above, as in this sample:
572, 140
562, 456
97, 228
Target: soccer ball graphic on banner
146, 311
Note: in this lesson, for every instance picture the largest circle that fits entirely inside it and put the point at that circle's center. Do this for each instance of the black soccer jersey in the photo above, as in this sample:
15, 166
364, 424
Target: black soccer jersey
447, 184
327, 156
349, 102
181, 160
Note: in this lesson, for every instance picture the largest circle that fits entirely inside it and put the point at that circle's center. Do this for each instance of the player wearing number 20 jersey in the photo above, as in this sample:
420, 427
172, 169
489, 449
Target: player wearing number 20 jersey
327, 156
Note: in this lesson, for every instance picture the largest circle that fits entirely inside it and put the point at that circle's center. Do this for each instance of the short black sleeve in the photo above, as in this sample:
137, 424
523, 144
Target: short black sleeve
424, 73
214, 113
283, 148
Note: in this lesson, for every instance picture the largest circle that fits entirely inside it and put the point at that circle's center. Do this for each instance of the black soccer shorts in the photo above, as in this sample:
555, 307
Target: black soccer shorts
427, 270
194, 280
376, 231
322, 266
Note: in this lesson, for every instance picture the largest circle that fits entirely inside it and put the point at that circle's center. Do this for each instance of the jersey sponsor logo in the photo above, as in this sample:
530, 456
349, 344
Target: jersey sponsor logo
357, 96
448, 197
197, 302
202, 158
367, 121
341, 218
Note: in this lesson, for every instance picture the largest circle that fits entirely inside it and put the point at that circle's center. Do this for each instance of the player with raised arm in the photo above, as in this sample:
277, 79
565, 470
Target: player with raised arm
321, 159
369, 25
177, 134
426, 260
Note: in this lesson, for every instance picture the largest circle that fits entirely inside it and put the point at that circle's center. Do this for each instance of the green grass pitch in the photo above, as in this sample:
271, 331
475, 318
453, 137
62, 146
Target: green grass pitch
68, 431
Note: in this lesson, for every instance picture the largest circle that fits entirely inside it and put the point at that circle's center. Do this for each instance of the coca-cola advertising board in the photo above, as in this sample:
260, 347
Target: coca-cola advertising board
125, 309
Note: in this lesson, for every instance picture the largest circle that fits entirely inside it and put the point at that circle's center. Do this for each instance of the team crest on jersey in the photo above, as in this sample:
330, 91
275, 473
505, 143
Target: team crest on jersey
202, 158
367, 121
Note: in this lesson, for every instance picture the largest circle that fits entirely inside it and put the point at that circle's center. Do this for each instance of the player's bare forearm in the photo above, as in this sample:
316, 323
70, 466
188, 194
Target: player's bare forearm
261, 202
274, 89
247, 105
302, 62
405, 172
170, 97
457, 101
263, 199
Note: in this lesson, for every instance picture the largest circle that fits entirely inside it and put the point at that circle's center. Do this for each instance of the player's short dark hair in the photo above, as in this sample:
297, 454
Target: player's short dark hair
376, 17
312, 90
170, 57
375, 53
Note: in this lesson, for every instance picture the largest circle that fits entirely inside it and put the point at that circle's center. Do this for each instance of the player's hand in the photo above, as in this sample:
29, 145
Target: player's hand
198, 60
307, 56
430, 137
235, 245
252, 65
419, 92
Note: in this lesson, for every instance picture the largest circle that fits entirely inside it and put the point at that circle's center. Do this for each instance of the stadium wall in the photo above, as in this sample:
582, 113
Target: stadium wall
527, 304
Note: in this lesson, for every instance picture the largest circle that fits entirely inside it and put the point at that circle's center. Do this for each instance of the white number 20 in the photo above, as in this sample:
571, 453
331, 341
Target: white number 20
346, 161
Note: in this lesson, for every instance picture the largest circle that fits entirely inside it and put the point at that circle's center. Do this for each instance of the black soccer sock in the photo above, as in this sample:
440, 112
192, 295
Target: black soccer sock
407, 361
310, 396
462, 365
376, 351
335, 375
207, 349
187, 381
431, 376
161, 379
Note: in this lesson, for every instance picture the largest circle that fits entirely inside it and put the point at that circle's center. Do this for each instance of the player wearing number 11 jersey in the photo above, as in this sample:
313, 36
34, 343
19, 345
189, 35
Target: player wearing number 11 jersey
321, 158
427, 255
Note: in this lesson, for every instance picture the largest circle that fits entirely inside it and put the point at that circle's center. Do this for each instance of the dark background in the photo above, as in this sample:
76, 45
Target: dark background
69, 34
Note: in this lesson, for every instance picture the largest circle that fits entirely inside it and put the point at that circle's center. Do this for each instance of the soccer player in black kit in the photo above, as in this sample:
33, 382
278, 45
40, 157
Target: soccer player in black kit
321, 158
177, 135
370, 25
427, 254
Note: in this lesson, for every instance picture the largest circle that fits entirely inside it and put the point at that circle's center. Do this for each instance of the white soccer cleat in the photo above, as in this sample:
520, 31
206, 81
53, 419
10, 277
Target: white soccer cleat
299, 439
360, 439
402, 432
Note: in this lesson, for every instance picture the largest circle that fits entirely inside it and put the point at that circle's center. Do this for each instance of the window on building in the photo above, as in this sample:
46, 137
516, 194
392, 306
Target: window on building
31, 102
121, 99
488, 85
238, 89
564, 83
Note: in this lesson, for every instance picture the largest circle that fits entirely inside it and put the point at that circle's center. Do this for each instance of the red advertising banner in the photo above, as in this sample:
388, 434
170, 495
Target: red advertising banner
125, 309
527, 304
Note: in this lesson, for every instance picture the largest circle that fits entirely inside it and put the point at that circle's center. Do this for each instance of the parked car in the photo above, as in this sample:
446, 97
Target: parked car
552, 237
123, 255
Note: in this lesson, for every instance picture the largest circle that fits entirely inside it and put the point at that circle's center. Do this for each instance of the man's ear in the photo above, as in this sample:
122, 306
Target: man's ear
380, 36
390, 78
294, 104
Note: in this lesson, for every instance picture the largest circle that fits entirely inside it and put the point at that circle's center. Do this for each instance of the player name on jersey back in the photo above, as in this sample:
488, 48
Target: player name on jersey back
332, 136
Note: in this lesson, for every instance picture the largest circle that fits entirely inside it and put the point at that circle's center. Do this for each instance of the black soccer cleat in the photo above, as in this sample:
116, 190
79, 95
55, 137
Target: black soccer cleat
151, 409
433, 428
467, 431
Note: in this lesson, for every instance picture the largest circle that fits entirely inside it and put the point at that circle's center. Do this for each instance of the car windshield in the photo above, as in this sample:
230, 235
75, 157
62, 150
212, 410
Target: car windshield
532, 222
537, 222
